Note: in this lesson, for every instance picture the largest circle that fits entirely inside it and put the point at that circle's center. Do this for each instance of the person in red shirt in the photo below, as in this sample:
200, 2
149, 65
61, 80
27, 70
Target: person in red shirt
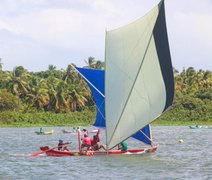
94, 142
86, 142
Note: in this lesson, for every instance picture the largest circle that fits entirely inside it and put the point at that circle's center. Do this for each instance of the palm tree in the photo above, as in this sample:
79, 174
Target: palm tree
39, 93
61, 102
77, 90
90, 63
52, 67
70, 75
94, 64
77, 97
57, 95
17, 81
99, 65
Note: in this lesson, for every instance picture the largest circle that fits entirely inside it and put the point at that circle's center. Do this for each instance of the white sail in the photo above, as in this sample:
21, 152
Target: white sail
137, 88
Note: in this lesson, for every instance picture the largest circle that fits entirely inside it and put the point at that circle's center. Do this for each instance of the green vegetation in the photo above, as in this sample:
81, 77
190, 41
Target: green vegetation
62, 98
41, 119
193, 98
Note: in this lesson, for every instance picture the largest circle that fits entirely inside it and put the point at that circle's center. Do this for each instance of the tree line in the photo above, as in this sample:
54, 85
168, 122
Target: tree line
62, 91
193, 96
51, 90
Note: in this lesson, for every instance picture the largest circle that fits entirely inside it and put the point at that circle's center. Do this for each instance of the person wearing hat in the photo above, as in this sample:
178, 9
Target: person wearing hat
62, 146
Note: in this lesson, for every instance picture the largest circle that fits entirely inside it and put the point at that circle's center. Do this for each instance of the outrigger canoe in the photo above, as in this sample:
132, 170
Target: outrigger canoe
64, 131
45, 132
52, 152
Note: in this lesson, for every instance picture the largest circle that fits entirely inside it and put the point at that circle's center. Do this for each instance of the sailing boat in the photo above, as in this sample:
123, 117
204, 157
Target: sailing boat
137, 85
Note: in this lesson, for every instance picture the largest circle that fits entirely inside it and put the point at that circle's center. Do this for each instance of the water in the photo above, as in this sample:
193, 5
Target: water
189, 160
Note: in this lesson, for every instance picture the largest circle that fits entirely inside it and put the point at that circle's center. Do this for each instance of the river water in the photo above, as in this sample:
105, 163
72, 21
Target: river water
189, 160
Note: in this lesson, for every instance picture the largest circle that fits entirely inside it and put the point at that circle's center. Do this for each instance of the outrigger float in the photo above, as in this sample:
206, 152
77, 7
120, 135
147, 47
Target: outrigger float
136, 87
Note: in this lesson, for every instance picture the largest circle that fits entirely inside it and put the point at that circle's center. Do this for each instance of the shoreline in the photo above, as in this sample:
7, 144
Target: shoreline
159, 123
84, 118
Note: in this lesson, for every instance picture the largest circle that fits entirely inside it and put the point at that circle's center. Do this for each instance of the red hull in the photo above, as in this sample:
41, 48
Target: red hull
52, 152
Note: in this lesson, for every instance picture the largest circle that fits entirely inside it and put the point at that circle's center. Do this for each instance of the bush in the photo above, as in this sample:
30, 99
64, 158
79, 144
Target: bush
12, 118
8, 101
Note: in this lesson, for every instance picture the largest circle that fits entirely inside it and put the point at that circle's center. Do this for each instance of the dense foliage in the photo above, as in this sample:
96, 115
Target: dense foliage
193, 96
42, 97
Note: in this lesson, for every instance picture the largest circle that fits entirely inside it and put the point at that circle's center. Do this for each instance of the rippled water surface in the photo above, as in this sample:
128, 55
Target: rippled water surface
189, 160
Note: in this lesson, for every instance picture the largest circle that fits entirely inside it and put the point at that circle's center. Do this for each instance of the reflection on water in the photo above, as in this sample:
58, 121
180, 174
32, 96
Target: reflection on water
189, 160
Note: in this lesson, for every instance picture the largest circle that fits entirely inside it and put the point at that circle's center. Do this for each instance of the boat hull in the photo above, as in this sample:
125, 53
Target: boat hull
53, 152
45, 132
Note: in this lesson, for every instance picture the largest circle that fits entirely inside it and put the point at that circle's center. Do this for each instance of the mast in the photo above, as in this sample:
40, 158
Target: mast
106, 95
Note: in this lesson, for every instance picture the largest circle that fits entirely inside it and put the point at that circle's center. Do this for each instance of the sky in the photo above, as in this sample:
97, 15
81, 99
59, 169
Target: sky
38, 33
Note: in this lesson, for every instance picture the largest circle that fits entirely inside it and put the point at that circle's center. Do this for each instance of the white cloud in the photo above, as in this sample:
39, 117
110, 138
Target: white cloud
4, 25
190, 27
79, 27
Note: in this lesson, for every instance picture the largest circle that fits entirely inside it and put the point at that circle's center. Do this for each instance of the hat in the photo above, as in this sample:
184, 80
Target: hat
60, 140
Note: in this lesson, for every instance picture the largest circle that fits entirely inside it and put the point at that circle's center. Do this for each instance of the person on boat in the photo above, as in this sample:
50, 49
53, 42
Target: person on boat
86, 142
84, 131
75, 130
41, 130
94, 142
123, 146
63, 146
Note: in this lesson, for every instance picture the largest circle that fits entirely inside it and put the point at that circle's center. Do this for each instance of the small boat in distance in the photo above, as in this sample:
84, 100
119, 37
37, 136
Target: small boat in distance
64, 131
200, 127
75, 130
41, 132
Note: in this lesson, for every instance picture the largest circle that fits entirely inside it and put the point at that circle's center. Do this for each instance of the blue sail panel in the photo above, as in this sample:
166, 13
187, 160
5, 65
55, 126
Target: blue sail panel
145, 136
95, 78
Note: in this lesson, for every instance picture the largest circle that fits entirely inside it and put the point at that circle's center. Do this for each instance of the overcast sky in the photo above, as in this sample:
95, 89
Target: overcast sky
37, 33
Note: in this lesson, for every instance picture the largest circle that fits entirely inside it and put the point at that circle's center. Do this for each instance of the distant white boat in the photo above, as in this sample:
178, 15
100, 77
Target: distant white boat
200, 127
